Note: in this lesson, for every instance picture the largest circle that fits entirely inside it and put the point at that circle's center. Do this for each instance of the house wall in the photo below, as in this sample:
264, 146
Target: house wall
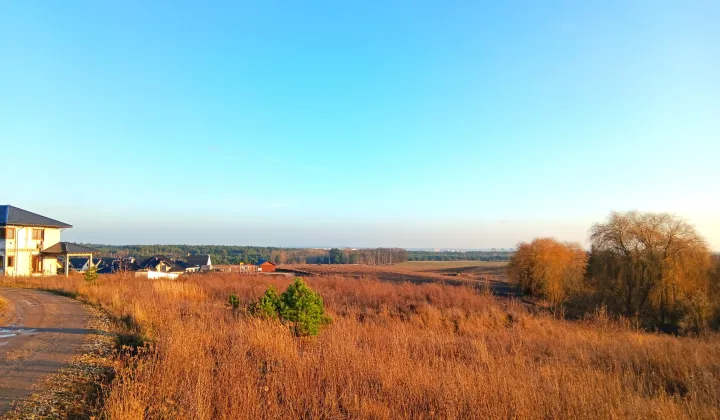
3, 258
267, 268
26, 248
157, 275
50, 266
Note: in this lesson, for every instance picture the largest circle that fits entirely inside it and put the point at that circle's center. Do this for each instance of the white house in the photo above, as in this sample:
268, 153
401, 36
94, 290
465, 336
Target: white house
30, 243
157, 267
23, 237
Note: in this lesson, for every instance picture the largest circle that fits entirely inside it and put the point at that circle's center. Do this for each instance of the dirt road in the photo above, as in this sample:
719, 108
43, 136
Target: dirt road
38, 334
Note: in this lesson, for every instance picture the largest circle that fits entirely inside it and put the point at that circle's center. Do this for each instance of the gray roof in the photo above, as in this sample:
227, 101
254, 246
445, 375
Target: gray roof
198, 260
152, 263
79, 262
13, 216
185, 264
69, 248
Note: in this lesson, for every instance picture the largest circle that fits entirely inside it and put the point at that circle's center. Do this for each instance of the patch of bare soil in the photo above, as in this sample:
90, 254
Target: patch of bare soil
55, 355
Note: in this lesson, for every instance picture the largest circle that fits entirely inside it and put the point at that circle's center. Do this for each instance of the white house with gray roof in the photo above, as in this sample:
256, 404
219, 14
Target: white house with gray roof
30, 243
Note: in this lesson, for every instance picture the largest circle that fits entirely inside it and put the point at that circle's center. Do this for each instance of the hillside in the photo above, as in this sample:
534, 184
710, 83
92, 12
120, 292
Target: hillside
393, 350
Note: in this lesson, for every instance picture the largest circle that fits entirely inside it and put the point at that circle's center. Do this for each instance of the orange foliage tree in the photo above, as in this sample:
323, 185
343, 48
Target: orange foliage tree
547, 268
715, 291
654, 266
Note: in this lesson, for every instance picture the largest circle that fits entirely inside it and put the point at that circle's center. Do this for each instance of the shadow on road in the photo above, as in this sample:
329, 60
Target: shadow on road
81, 331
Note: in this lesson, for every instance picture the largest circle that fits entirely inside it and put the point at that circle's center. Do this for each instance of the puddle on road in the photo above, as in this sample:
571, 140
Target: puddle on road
13, 333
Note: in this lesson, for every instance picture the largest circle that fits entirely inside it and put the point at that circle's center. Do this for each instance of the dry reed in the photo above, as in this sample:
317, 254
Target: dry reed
393, 351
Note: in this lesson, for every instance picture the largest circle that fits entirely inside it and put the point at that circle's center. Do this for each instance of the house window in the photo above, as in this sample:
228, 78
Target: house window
2, 261
37, 264
38, 234
7, 233
11, 262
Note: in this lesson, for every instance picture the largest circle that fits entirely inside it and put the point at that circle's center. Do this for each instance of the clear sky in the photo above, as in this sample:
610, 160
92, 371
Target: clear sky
361, 123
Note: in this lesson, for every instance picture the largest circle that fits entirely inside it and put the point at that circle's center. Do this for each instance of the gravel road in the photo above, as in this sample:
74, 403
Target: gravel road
39, 333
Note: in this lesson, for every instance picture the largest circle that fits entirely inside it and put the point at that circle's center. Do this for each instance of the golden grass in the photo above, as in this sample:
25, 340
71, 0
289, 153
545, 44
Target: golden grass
3, 307
393, 351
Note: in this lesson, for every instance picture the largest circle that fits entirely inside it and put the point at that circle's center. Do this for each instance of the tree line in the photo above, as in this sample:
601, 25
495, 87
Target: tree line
230, 254
376, 256
459, 256
222, 254
651, 267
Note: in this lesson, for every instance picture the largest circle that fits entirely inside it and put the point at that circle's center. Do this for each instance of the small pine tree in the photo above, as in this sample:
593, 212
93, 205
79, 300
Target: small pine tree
268, 304
234, 301
299, 305
303, 308
91, 275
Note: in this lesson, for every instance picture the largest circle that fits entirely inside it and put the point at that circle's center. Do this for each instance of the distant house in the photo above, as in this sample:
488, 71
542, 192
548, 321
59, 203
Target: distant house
116, 265
80, 264
239, 268
158, 266
202, 261
189, 268
195, 263
265, 266
249, 268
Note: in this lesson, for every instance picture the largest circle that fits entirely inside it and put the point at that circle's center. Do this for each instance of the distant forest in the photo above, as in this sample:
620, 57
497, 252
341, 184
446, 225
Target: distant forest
458, 256
222, 254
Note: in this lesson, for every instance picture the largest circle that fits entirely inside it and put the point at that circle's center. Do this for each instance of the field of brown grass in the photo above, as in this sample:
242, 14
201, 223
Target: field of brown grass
412, 271
362, 271
394, 350
490, 275
462, 265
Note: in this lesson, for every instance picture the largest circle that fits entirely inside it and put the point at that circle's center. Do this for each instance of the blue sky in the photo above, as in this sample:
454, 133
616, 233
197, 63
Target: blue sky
359, 123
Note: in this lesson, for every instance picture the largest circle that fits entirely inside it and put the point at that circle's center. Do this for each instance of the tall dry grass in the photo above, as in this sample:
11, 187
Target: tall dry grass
393, 351
3, 307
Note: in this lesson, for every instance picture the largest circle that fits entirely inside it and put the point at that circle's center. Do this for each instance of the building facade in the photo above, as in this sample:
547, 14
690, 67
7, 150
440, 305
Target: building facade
266, 266
23, 237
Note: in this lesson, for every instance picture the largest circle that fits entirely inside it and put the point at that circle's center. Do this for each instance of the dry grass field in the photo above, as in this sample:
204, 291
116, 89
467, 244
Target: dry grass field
447, 265
454, 272
490, 275
394, 350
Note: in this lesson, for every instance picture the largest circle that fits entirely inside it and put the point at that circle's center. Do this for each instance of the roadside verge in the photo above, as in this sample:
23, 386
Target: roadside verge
6, 309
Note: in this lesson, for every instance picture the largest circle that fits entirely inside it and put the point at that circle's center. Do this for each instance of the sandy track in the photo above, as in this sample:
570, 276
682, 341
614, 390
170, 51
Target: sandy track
38, 334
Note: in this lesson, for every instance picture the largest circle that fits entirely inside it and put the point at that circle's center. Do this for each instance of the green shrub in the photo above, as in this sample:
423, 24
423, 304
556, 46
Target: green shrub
234, 301
91, 275
299, 306
303, 309
268, 304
